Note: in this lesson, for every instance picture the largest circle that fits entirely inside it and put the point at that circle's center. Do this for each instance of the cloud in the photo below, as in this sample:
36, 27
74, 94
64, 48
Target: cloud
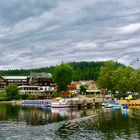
43, 33
130, 28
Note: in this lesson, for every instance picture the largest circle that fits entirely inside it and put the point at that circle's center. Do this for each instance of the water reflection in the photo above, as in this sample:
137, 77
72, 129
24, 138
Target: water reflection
108, 125
40, 116
18, 122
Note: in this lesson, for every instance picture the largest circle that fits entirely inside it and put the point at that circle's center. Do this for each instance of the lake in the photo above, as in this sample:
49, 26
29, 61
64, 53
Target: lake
36, 123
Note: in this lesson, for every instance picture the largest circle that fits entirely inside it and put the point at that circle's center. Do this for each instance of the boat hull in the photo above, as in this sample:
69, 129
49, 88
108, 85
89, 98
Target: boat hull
59, 105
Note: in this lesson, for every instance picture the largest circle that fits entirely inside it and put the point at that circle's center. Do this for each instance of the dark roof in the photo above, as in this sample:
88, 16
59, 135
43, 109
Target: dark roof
40, 75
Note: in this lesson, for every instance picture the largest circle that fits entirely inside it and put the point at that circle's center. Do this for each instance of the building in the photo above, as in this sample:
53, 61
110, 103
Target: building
89, 84
41, 91
40, 84
3, 83
41, 79
18, 80
72, 87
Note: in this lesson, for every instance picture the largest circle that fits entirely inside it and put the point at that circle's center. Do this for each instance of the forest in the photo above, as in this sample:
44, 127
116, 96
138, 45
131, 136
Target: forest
82, 70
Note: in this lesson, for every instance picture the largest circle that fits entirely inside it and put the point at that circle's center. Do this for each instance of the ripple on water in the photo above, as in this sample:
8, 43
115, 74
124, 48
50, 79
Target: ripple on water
20, 131
74, 129
105, 126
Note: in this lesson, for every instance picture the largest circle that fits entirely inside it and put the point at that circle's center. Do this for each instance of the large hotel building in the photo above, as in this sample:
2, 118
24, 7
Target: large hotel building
40, 84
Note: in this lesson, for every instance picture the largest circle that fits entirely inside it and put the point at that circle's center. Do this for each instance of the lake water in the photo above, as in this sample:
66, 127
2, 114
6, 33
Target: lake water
35, 123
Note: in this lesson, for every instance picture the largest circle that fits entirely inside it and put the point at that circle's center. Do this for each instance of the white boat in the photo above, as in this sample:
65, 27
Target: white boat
64, 103
111, 104
46, 105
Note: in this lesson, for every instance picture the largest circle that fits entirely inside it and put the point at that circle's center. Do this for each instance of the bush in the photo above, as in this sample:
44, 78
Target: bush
32, 97
24, 96
90, 96
3, 97
17, 97
56, 94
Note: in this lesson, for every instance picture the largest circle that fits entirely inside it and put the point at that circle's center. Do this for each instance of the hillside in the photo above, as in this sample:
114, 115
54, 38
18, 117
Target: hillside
82, 70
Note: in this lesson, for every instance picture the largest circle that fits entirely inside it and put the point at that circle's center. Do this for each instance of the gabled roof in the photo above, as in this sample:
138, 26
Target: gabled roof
86, 83
40, 75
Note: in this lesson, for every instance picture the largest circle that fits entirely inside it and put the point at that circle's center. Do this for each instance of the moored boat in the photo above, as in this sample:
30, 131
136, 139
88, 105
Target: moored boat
36, 103
65, 103
112, 104
125, 108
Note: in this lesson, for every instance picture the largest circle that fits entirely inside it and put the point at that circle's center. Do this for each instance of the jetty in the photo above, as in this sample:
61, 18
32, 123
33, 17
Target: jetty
131, 103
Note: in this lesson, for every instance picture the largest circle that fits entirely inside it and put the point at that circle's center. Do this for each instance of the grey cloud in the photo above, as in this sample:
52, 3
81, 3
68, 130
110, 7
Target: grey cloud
41, 33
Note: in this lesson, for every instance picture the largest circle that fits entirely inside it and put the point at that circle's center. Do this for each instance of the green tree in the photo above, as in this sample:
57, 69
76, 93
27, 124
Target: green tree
121, 80
135, 81
62, 76
82, 89
11, 91
104, 81
82, 70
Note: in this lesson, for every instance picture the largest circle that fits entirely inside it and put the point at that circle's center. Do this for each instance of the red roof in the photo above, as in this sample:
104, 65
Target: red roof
72, 86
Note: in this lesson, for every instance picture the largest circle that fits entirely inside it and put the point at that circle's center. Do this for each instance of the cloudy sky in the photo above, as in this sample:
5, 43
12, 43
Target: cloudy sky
35, 33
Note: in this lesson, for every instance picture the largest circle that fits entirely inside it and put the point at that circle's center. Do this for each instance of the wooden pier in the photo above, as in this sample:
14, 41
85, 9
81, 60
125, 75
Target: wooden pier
132, 103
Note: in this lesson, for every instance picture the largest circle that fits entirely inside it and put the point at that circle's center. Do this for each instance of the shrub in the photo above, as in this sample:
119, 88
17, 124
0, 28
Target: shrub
24, 96
3, 97
32, 97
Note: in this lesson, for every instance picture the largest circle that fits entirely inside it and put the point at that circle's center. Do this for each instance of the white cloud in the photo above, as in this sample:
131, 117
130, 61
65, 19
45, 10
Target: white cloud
42, 33
131, 28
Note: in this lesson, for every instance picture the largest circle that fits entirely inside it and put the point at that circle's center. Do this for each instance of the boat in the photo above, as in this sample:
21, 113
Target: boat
111, 104
125, 108
36, 103
47, 104
61, 104
65, 103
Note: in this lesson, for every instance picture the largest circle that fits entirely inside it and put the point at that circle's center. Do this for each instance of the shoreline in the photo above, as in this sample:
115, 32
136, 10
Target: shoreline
19, 102
6, 102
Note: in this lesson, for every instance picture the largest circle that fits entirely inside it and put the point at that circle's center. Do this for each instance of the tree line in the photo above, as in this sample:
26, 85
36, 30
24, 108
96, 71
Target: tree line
120, 81
81, 70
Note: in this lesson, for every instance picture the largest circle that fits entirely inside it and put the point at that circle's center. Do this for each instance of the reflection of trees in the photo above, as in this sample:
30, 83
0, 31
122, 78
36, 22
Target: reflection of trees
35, 116
38, 116
114, 124
107, 125
7, 111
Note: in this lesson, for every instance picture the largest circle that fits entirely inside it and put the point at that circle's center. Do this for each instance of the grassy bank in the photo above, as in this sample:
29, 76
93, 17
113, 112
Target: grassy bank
3, 97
